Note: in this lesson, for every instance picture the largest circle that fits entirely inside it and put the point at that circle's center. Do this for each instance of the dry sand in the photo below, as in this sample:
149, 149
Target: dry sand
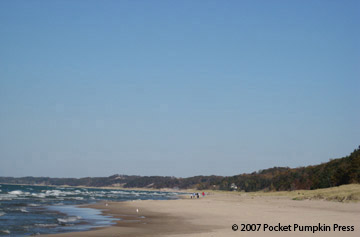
215, 214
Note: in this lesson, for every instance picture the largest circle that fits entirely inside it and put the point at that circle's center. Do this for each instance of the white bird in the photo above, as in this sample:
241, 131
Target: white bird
106, 204
137, 210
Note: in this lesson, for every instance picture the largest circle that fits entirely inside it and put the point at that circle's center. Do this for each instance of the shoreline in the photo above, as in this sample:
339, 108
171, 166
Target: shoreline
53, 210
215, 214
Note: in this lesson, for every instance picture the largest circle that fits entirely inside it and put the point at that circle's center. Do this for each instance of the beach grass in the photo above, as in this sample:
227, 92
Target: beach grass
343, 193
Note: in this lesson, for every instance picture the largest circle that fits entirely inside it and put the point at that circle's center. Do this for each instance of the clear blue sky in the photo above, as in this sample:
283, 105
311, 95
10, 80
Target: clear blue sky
180, 88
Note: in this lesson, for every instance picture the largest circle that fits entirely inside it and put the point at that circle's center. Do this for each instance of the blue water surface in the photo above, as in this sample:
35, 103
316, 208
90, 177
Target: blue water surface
31, 210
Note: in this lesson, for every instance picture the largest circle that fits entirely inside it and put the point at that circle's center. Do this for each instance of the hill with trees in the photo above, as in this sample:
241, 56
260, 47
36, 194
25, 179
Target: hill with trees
336, 172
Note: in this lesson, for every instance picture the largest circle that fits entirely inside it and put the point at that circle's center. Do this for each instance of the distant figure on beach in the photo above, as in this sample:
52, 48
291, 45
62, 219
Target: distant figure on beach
197, 195
203, 194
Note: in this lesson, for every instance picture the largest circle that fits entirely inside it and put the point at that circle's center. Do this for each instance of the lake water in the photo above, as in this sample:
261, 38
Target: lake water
31, 210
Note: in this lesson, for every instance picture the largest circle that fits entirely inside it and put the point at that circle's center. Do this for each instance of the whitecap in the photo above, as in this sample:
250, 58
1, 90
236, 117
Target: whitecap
53, 192
39, 195
16, 192
2, 213
59, 193
23, 210
119, 192
6, 231
66, 220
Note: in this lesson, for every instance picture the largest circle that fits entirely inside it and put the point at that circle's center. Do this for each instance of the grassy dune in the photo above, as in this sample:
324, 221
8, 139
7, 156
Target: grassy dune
343, 193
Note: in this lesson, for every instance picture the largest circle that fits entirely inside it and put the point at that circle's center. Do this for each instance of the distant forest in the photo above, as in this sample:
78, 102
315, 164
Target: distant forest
336, 172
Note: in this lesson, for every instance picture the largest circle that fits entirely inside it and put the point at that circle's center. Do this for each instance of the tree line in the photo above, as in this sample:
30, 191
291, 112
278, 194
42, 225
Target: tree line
336, 172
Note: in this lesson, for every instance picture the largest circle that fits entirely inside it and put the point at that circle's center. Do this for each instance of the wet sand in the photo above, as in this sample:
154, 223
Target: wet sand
215, 214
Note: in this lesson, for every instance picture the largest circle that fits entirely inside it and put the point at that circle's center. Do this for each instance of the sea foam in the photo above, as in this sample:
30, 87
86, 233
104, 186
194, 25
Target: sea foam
16, 192
68, 219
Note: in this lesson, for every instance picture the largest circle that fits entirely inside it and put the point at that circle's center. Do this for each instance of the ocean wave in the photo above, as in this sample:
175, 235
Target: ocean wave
68, 219
99, 195
6, 231
16, 192
46, 225
39, 195
23, 210
2, 213
59, 193
119, 192
78, 198
54, 193
7, 197
58, 204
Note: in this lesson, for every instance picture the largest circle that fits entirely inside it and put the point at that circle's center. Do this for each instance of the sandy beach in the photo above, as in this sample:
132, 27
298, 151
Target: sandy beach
215, 214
